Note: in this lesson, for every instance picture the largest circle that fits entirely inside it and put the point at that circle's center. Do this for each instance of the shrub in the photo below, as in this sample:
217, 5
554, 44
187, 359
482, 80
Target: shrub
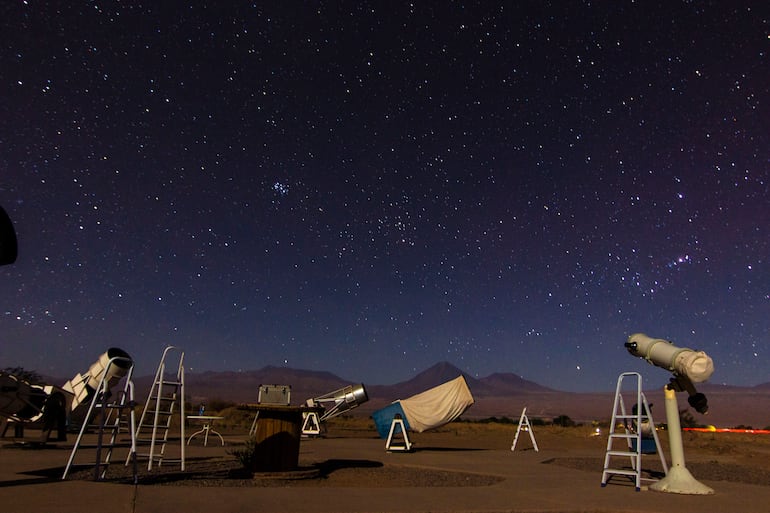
564, 421
247, 456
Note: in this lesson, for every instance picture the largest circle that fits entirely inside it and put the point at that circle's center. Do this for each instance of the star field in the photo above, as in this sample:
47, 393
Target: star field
369, 188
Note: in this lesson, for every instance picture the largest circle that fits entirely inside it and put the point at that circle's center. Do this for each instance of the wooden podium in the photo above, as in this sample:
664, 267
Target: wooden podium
277, 433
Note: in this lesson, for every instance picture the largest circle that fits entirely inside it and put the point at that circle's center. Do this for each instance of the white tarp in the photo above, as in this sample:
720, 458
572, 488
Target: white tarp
437, 406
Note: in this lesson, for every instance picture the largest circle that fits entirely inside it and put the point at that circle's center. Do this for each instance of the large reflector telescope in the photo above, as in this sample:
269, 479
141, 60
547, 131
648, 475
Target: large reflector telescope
427, 410
339, 401
111, 366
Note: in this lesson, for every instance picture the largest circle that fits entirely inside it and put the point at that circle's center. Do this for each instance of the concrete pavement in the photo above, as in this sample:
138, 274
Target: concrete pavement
30, 482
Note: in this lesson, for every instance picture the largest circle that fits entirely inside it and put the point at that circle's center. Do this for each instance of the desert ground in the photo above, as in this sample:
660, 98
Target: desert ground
739, 457
461, 466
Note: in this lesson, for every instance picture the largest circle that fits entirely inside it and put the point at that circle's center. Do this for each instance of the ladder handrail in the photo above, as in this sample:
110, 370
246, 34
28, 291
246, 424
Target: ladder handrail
99, 399
152, 406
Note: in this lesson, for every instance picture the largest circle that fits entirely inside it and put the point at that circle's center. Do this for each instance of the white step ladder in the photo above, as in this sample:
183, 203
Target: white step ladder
526, 426
165, 402
627, 429
109, 417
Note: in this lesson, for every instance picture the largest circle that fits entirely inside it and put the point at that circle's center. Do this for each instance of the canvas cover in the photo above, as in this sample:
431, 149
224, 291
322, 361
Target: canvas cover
437, 406
383, 418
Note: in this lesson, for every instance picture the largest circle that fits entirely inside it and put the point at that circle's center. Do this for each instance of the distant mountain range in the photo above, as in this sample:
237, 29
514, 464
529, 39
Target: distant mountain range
305, 384
498, 395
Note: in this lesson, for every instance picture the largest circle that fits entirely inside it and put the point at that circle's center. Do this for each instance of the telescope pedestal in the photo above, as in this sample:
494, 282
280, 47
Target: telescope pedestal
311, 425
397, 427
678, 479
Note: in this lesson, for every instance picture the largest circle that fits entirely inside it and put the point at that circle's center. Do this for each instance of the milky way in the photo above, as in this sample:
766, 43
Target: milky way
369, 188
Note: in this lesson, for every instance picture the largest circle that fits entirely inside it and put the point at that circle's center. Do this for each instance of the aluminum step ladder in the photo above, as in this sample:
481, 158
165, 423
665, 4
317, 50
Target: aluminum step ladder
108, 418
628, 431
164, 404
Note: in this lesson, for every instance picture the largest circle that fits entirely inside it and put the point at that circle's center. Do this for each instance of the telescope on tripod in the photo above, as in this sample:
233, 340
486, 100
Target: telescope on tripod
688, 367
333, 404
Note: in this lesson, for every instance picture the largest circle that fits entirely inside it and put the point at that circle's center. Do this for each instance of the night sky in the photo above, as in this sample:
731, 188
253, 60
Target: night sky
369, 188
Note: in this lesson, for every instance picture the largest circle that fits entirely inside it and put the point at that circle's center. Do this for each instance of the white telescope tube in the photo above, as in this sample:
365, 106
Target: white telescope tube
695, 365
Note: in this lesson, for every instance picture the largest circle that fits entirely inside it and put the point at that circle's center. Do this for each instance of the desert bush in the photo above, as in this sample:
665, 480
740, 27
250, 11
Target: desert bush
564, 421
496, 420
247, 455
20, 372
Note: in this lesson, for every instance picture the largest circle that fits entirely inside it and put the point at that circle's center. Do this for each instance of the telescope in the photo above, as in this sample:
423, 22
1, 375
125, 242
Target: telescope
343, 399
24, 402
340, 401
110, 368
696, 365
427, 410
687, 365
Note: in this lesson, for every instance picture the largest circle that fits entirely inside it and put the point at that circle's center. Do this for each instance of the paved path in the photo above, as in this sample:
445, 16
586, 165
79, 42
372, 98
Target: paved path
528, 485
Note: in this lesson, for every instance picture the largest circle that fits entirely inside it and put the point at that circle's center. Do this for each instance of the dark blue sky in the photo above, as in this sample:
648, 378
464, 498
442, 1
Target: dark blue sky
369, 188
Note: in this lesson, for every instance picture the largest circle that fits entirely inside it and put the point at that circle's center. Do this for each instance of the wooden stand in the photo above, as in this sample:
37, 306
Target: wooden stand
277, 432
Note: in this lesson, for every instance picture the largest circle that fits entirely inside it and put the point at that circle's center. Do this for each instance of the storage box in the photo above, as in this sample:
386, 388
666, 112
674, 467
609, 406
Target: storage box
274, 394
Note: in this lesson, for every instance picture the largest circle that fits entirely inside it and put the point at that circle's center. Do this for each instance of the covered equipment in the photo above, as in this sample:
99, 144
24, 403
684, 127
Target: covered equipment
427, 410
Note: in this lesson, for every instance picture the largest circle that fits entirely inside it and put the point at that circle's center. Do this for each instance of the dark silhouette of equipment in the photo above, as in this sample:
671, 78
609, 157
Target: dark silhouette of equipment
23, 402
8, 244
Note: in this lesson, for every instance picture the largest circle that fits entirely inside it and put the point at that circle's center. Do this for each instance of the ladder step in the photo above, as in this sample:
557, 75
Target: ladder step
152, 413
173, 383
621, 472
103, 446
621, 453
147, 428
